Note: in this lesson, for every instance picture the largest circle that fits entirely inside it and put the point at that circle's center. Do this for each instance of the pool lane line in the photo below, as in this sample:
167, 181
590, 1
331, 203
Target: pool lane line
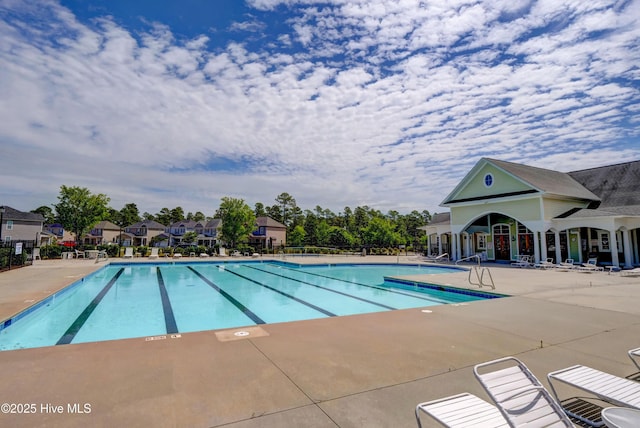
256, 319
169, 319
375, 287
311, 305
71, 332
362, 299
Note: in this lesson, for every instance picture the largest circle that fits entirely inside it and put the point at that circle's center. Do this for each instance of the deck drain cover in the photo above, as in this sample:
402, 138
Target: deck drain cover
241, 333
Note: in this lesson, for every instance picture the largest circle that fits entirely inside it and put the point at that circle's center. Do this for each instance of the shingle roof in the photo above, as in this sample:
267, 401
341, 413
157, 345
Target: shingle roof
268, 222
616, 185
149, 224
547, 180
14, 214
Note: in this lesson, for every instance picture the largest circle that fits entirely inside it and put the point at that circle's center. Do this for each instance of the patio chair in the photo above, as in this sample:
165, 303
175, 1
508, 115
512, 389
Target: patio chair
519, 395
590, 266
128, 253
79, 254
630, 272
546, 264
523, 262
634, 354
606, 387
462, 411
154, 253
566, 265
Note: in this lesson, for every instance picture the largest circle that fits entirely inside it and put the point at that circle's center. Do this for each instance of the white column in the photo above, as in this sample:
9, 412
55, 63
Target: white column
454, 246
628, 255
439, 237
467, 242
536, 247
613, 245
558, 251
543, 245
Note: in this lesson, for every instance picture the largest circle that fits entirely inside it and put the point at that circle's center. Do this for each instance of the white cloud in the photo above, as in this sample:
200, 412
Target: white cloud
388, 103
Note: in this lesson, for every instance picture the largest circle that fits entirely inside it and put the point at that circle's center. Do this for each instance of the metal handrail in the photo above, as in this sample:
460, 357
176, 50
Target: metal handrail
480, 277
475, 256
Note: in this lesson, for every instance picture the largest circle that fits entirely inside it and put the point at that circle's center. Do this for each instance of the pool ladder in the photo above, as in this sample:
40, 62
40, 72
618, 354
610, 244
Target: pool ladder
479, 273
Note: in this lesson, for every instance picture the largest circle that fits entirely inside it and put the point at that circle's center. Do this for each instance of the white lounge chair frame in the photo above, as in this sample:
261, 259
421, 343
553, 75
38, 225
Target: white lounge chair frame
128, 253
630, 272
154, 253
519, 395
523, 262
590, 266
462, 411
604, 386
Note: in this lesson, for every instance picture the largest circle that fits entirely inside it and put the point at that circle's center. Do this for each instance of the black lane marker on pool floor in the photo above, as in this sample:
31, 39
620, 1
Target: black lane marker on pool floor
71, 332
169, 319
325, 288
430, 299
229, 297
311, 305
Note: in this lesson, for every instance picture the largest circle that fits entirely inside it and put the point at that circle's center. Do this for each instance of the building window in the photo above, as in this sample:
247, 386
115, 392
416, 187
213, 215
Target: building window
488, 180
9, 224
482, 241
603, 241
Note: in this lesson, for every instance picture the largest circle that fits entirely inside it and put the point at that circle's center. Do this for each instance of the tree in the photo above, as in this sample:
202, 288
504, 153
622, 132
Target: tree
129, 215
164, 217
78, 210
189, 237
379, 232
199, 216
238, 220
47, 213
259, 210
296, 237
177, 214
287, 204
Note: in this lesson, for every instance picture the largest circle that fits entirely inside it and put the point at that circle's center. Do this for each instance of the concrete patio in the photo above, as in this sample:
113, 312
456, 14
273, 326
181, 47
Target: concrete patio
357, 371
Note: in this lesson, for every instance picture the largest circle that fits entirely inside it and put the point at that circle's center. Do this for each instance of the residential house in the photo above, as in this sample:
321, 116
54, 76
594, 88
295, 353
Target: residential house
18, 225
503, 210
141, 233
102, 233
206, 231
269, 233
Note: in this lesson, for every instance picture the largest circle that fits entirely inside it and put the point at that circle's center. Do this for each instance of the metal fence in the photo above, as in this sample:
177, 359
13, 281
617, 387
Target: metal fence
15, 254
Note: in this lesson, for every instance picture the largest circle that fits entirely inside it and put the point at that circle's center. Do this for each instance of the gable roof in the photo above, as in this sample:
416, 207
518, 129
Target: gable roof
14, 214
268, 222
106, 225
541, 180
149, 224
616, 185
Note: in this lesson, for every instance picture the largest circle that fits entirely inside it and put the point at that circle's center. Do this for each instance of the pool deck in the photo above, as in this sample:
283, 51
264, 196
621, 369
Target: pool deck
356, 371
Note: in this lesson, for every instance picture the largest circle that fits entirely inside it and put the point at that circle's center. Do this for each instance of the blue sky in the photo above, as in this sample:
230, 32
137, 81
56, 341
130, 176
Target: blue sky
339, 103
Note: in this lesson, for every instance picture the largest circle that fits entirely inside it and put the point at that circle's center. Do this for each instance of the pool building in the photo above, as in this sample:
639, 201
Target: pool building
502, 210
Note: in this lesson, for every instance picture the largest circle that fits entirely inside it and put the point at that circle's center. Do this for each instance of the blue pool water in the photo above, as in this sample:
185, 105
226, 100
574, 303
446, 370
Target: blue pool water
140, 300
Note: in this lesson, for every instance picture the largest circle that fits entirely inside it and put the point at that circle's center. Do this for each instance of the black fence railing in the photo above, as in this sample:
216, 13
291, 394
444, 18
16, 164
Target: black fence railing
15, 254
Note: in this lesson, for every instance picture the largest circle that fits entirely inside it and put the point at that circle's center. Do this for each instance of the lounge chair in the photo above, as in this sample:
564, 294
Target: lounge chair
566, 265
630, 272
462, 411
590, 266
634, 354
603, 386
546, 264
523, 262
154, 253
128, 253
79, 254
519, 395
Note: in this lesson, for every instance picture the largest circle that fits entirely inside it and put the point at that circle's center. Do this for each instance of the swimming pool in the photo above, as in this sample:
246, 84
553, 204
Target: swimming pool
143, 300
